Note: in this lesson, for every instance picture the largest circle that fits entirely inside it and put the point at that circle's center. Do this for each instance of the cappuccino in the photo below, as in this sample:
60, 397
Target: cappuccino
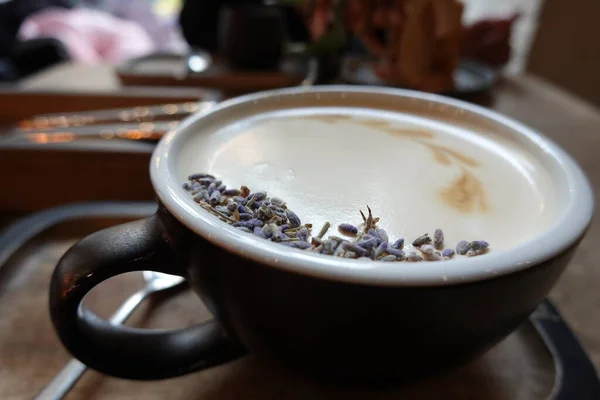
418, 173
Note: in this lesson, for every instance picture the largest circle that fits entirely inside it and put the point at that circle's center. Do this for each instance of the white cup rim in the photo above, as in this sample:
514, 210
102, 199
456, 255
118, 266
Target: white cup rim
564, 233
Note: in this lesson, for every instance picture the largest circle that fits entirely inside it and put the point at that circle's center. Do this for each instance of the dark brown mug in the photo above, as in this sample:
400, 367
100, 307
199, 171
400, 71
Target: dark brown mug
331, 317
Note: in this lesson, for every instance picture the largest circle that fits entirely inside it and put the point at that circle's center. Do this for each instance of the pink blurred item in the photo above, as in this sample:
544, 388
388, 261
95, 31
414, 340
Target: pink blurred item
90, 36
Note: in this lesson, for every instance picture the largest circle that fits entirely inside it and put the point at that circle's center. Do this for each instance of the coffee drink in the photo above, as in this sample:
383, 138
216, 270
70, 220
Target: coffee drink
417, 174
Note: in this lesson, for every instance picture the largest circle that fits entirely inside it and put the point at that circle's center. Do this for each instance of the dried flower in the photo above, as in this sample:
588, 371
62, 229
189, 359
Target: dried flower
293, 218
303, 234
398, 253
270, 219
259, 232
478, 245
381, 249
367, 242
421, 240
414, 257
398, 244
448, 254
462, 247
358, 250
215, 198
301, 245
244, 191
383, 235
347, 229
438, 238
232, 192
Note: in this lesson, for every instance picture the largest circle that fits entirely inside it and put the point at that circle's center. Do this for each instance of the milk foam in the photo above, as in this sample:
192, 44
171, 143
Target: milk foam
415, 173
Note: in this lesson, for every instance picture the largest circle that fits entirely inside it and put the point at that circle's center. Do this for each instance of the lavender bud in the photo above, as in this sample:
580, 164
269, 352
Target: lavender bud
381, 249
427, 249
215, 198
218, 183
367, 242
371, 253
293, 218
421, 240
259, 232
383, 235
268, 230
246, 216
255, 222
240, 200
212, 187
478, 245
223, 210
347, 229
222, 188
398, 244
194, 177
285, 227
232, 206
358, 250
414, 257
278, 236
398, 253
438, 238
277, 201
462, 247
196, 186
303, 234
448, 254
301, 245
187, 186
232, 192
389, 258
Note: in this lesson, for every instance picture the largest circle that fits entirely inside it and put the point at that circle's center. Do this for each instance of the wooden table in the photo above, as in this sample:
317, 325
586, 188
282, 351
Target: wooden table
567, 120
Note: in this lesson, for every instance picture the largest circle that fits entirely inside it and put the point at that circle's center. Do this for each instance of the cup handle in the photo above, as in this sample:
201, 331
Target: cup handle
122, 351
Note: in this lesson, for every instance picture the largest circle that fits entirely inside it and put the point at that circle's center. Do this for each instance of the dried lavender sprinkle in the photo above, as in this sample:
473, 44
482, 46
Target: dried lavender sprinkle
478, 245
383, 235
269, 218
232, 192
462, 247
448, 253
421, 240
383, 247
347, 229
259, 232
358, 250
414, 257
438, 238
398, 244
293, 218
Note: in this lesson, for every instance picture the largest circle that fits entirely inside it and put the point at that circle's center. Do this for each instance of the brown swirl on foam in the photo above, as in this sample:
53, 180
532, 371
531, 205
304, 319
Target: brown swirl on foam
466, 194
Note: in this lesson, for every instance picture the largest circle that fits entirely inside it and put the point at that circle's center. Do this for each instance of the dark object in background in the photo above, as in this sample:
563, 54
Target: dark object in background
251, 36
36, 54
199, 22
14, 12
30, 57
7, 71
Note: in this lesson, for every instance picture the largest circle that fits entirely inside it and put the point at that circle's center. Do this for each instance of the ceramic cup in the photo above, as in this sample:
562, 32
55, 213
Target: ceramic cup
331, 317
